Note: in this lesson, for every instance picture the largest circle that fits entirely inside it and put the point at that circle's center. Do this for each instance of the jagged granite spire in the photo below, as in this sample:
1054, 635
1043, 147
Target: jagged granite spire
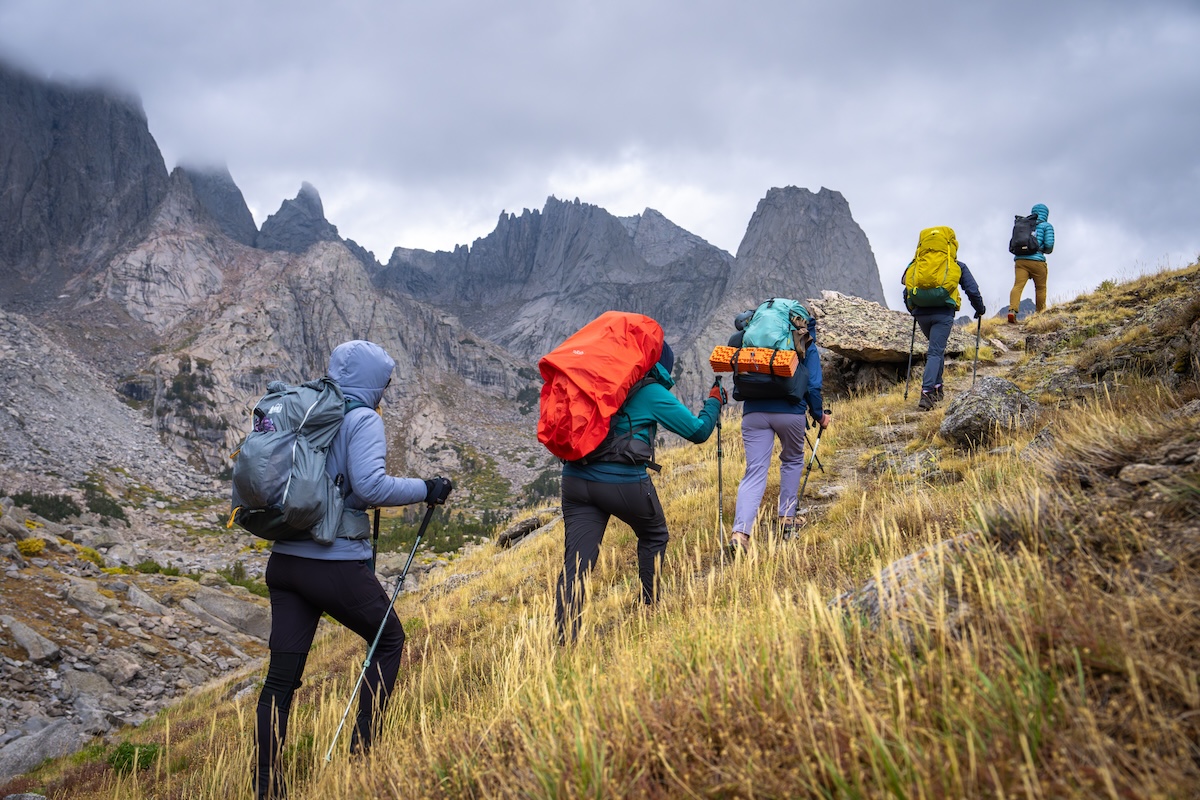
298, 224
223, 200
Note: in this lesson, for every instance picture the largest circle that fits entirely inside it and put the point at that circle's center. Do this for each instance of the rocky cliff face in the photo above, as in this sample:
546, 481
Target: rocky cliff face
539, 276
79, 175
222, 199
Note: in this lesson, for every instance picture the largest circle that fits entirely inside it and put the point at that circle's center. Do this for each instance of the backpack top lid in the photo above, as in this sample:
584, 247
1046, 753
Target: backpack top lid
773, 324
588, 377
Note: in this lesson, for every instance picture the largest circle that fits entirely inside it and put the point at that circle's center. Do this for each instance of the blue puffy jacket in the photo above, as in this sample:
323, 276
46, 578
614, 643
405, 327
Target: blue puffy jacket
1044, 234
359, 451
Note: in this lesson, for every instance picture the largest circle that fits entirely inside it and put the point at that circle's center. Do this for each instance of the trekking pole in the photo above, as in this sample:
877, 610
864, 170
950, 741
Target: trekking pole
975, 363
820, 466
720, 482
375, 539
808, 471
911, 344
379, 634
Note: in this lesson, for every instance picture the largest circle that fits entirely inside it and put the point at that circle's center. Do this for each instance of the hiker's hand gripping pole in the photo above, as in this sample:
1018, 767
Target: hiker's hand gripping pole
379, 634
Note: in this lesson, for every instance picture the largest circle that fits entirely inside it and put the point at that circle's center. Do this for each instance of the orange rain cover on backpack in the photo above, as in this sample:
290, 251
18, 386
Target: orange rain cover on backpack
588, 377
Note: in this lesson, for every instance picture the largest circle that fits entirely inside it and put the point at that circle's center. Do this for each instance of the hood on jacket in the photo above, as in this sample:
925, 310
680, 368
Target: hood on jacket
362, 369
1042, 212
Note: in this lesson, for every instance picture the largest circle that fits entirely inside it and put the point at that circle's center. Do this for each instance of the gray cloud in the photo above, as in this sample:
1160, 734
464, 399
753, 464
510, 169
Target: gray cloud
419, 123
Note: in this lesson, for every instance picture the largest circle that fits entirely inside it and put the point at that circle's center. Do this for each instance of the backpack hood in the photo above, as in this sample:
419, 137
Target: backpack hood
1042, 212
362, 369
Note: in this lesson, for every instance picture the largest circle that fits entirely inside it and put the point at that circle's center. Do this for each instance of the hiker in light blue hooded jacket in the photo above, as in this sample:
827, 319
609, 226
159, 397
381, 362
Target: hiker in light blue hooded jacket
307, 579
1033, 265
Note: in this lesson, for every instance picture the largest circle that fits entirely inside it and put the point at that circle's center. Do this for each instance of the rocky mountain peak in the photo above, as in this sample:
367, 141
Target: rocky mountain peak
800, 243
298, 224
222, 199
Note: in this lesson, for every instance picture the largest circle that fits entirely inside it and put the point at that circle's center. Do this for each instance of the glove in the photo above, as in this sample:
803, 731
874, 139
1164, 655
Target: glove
979, 312
718, 393
437, 490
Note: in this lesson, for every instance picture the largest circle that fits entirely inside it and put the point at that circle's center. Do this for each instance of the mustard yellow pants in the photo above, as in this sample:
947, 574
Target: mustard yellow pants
1027, 269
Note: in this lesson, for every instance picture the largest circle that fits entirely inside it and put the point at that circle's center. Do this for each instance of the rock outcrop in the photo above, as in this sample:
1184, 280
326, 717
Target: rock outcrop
81, 175
222, 199
974, 418
298, 224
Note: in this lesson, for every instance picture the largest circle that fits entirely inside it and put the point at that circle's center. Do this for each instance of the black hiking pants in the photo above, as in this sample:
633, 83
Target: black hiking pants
302, 589
587, 507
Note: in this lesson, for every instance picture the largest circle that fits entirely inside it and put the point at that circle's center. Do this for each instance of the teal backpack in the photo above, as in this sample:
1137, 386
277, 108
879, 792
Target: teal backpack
779, 324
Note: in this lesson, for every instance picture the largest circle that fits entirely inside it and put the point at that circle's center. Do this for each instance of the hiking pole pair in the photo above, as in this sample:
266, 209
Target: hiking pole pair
911, 344
808, 471
379, 634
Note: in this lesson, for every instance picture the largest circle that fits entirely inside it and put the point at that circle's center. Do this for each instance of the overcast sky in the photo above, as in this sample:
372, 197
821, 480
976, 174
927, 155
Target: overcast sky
419, 122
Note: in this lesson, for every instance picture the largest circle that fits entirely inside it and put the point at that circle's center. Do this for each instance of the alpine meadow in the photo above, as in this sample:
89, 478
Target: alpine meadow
1018, 618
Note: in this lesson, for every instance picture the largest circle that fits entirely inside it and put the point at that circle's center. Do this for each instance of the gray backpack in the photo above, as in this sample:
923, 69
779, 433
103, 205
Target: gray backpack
280, 487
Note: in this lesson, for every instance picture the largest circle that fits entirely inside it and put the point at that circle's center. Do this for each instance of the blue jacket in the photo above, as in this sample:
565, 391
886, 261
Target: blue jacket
651, 406
359, 451
969, 286
1044, 233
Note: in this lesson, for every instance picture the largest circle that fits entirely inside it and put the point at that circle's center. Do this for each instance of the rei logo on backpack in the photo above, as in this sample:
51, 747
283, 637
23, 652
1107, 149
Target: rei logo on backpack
1024, 241
280, 487
931, 278
778, 324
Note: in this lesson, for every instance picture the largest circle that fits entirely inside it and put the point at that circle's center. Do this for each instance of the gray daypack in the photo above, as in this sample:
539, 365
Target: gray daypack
280, 487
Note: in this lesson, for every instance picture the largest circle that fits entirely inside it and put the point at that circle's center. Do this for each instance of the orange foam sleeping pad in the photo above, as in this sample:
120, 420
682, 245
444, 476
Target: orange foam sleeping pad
754, 359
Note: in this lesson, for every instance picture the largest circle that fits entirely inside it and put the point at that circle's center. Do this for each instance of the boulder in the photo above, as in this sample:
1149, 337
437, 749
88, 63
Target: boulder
974, 418
248, 616
118, 668
39, 648
87, 598
140, 599
85, 686
56, 739
862, 330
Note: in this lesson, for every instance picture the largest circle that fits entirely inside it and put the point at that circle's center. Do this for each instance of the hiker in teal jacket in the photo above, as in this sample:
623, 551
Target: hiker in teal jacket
612, 481
1033, 266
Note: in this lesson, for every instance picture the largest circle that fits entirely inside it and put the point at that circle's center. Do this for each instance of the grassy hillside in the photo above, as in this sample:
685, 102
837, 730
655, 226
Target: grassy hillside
1040, 636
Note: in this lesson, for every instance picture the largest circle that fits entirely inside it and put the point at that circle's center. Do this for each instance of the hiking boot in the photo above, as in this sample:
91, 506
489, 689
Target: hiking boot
739, 543
926, 403
938, 393
789, 527
1012, 319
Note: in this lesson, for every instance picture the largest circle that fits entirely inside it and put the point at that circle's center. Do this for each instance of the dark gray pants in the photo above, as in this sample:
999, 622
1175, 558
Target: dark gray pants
587, 507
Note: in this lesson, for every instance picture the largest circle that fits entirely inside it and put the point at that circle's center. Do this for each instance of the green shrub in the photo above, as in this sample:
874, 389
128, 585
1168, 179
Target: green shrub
31, 547
99, 502
129, 756
54, 507
235, 573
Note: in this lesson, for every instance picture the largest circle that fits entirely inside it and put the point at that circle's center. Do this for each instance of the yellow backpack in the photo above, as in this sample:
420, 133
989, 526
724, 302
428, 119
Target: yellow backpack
931, 279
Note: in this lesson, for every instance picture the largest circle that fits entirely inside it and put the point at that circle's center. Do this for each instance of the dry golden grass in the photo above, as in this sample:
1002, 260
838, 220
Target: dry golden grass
1057, 656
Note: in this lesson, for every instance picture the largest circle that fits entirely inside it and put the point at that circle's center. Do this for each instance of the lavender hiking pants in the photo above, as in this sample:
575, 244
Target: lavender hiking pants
759, 429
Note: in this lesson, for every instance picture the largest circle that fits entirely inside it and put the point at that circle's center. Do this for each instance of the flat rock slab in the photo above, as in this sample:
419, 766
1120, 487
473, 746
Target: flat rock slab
862, 330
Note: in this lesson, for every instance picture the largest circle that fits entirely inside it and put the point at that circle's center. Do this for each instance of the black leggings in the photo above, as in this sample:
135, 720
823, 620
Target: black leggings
302, 589
587, 507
